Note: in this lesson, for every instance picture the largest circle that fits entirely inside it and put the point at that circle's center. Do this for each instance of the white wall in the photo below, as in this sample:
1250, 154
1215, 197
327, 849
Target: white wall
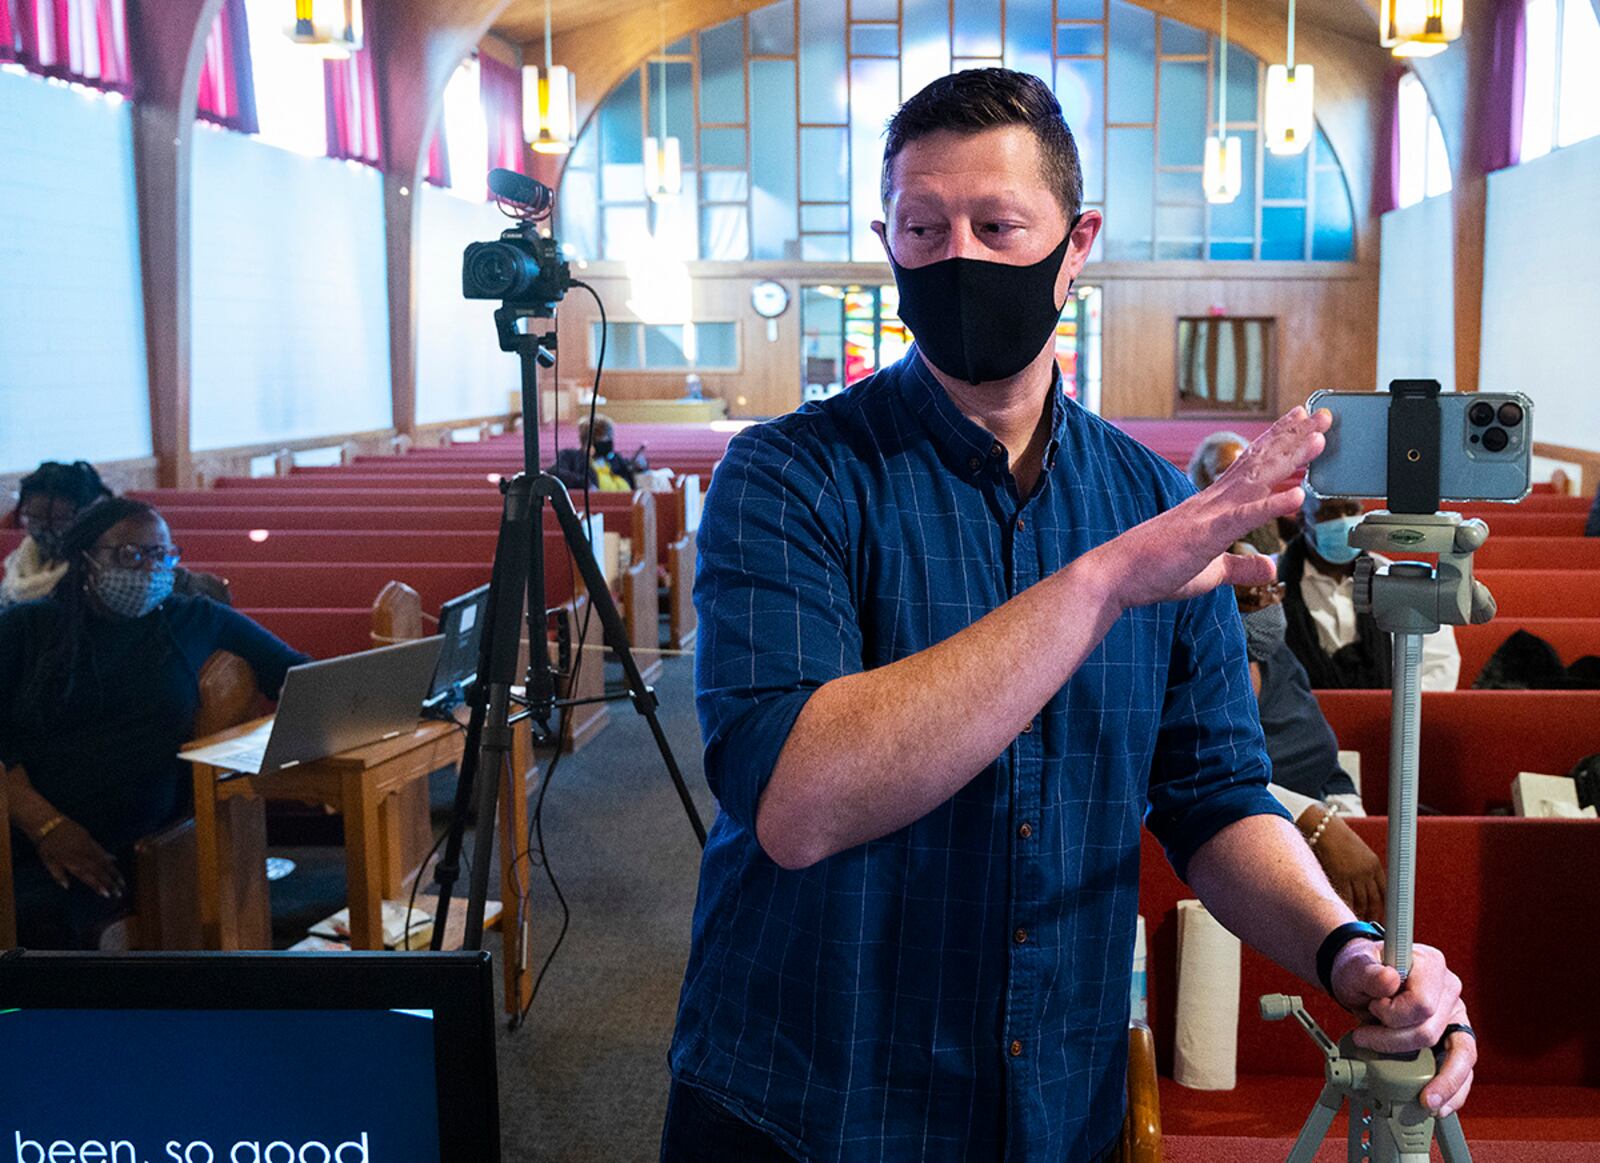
1416, 293
1541, 291
73, 379
461, 370
290, 318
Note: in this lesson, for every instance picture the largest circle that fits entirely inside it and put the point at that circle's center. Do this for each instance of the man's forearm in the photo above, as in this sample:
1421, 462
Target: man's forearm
1260, 879
875, 751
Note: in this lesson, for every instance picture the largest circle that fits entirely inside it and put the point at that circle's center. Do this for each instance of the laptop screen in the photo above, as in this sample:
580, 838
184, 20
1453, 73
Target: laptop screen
247, 1059
461, 626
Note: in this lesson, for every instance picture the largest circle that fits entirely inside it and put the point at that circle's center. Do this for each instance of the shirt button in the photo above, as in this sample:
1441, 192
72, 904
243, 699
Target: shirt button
1021, 936
1021, 525
1027, 729
1016, 1049
974, 464
1025, 831
997, 449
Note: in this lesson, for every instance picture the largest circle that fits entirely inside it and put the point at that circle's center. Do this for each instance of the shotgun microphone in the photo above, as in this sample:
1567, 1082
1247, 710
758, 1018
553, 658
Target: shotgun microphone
532, 197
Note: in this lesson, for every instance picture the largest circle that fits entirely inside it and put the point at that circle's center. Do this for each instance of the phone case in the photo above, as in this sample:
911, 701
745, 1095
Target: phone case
1355, 462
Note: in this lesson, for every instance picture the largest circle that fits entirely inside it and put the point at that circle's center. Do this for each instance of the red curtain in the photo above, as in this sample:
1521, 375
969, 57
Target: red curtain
1501, 137
500, 88
1386, 158
438, 160
353, 131
227, 84
75, 40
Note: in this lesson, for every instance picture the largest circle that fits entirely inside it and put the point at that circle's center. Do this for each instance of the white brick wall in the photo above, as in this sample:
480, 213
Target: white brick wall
461, 370
290, 325
73, 379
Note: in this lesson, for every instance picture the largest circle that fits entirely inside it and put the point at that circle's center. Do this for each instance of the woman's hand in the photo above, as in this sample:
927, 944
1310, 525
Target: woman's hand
1353, 869
69, 850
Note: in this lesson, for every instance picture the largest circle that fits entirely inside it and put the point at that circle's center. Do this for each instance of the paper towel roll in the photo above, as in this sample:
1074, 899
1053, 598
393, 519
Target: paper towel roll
1206, 1045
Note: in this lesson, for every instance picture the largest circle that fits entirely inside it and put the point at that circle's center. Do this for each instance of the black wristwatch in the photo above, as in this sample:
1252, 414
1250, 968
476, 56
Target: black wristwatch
1337, 940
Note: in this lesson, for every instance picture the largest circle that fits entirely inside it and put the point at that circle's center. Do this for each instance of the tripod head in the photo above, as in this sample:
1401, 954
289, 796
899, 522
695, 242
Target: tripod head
1413, 597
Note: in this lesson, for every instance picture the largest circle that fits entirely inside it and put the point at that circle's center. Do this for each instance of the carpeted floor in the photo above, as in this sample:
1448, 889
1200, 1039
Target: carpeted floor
585, 1078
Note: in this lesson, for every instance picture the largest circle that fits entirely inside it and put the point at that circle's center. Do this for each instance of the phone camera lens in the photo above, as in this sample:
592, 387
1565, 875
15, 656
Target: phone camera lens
1510, 415
1481, 413
1495, 440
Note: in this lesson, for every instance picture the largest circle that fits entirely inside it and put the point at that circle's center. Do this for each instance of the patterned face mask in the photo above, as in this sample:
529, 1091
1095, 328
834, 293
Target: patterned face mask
130, 593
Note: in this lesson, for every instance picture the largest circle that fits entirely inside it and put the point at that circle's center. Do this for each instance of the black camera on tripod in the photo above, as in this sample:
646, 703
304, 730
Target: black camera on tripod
523, 269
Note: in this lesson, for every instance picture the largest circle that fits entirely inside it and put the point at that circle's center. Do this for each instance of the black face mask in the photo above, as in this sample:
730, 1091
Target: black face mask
977, 320
603, 448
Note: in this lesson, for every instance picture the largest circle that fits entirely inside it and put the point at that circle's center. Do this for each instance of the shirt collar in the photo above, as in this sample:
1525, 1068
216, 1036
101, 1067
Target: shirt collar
967, 446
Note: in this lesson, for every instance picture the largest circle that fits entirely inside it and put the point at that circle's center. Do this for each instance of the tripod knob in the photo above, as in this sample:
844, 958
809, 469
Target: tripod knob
1362, 592
1483, 603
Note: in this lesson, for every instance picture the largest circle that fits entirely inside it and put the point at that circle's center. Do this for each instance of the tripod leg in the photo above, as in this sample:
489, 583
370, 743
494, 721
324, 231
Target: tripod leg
1316, 1125
616, 634
1452, 1142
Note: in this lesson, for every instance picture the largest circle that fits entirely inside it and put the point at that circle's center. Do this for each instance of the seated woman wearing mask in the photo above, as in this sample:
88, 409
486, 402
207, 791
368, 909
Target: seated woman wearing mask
48, 502
1306, 776
99, 685
1338, 647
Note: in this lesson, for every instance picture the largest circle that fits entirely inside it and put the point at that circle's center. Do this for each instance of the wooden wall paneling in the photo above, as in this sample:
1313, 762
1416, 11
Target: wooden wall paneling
166, 44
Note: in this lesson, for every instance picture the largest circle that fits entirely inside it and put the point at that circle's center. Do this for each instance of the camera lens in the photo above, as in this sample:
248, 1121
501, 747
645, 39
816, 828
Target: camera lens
1495, 440
1510, 415
1481, 413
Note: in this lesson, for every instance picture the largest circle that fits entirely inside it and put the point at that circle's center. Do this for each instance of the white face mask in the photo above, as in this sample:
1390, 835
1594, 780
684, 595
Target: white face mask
1331, 539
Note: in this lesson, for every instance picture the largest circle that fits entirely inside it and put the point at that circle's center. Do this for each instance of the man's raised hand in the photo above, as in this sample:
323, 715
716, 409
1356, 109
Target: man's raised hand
1184, 551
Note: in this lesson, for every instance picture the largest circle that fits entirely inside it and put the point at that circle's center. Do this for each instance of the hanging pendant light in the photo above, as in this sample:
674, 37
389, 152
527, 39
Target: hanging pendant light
663, 155
331, 28
1418, 28
549, 102
1223, 176
1289, 121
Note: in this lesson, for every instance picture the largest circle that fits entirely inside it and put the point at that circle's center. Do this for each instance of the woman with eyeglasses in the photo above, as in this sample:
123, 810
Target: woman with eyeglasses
99, 685
48, 502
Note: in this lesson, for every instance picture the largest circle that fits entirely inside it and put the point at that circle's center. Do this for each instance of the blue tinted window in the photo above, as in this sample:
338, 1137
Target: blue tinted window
1080, 40
1028, 25
621, 139
1132, 93
716, 345
822, 61
1179, 231
825, 218
976, 28
1235, 222
1242, 68
925, 47
663, 346
1179, 187
772, 30
1283, 232
1231, 251
1183, 113
874, 96
875, 40
1078, 88
874, 10
1284, 175
722, 73
1130, 184
826, 248
724, 185
1180, 40
724, 233
1081, 9
675, 91
824, 164
723, 147
773, 147
1332, 233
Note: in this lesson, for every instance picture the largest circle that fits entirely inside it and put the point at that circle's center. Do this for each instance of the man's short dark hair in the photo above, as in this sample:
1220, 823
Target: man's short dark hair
974, 100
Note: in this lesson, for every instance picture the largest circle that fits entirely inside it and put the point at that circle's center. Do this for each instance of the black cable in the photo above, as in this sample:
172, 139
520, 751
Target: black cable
411, 904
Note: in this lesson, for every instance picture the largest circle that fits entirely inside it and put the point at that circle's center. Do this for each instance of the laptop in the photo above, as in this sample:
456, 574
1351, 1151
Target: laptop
333, 705
461, 622
383, 1057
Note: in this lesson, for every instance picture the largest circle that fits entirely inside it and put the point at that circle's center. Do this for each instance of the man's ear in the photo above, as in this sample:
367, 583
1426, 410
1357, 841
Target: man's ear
881, 229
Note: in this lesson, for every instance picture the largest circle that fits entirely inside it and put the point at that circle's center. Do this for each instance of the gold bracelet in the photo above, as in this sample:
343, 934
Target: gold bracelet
49, 826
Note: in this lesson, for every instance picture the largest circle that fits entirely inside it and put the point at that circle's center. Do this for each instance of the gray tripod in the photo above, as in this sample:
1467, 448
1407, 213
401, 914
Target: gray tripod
1407, 599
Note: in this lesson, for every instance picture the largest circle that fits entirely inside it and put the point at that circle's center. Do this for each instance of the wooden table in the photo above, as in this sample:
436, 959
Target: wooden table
365, 785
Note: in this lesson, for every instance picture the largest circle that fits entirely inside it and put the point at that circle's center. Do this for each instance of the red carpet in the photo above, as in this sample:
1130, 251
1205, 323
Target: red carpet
1238, 1150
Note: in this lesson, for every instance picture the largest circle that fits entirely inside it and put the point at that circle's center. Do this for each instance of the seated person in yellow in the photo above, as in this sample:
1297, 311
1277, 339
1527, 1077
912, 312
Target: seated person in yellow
608, 471
48, 502
99, 685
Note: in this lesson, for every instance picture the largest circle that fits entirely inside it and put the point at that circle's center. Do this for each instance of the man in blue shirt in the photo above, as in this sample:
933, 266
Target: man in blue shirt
960, 638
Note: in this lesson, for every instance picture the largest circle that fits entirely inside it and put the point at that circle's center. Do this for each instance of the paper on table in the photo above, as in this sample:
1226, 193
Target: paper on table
1206, 1043
220, 754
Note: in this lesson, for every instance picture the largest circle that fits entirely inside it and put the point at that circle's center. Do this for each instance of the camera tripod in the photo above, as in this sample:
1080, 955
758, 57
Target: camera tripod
1407, 599
518, 583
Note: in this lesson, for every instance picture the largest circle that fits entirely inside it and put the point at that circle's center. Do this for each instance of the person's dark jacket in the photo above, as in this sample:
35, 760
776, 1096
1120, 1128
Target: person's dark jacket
1364, 664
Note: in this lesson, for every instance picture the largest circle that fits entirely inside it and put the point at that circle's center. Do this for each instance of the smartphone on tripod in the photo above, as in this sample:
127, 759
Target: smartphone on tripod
1485, 446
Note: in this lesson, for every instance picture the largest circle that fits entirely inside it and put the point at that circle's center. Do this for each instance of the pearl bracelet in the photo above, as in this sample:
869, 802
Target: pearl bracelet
1328, 812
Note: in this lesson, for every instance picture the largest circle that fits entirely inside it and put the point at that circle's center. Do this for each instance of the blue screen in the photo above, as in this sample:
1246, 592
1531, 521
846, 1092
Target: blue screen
218, 1086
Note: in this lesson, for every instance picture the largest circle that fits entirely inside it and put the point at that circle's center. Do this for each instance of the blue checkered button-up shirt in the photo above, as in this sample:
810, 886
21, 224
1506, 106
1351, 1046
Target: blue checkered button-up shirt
957, 989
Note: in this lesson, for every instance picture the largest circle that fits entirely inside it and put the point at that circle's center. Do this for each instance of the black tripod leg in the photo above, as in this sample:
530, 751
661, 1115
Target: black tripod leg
616, 634
489, 734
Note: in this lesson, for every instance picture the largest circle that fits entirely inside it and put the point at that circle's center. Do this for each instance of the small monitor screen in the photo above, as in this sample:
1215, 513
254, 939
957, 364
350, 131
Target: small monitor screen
461, 625
218, 1086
